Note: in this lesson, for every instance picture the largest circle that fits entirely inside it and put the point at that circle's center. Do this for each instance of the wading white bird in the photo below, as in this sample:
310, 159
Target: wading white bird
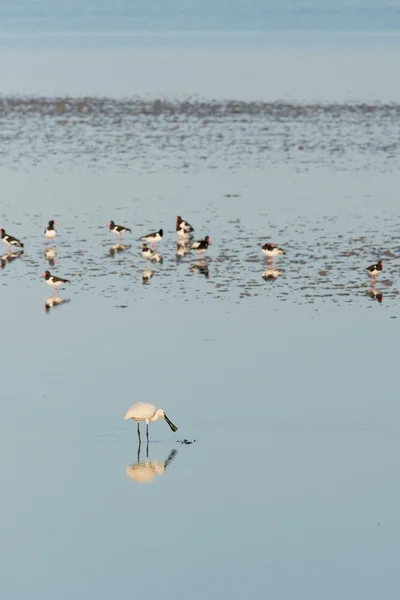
144, 411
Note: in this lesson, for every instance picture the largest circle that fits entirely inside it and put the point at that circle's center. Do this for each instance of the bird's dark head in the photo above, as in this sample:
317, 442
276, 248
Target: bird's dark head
161, 232
178, 219
144, 247
380, 264
46, 274
207, 239
2, 232
111, 224
52, 223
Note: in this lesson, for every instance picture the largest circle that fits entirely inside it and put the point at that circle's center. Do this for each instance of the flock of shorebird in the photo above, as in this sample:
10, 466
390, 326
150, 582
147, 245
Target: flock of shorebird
149, 250
144, 411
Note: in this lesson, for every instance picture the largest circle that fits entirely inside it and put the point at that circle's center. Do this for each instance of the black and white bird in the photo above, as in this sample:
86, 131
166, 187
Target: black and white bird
153, 238
182, 224
201, 245
374, 270
54, 282
272, 250
118, 229
183, 229
10, 240
50, 233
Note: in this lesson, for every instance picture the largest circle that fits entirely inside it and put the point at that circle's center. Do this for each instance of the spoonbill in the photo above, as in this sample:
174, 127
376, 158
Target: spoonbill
144, 411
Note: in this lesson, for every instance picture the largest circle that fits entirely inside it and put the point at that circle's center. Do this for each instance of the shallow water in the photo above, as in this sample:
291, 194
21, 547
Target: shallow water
286, 387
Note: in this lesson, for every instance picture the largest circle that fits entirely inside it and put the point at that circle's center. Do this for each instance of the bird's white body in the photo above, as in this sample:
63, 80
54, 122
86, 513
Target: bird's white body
183, 234
143, 411
272, 253
50, 234
53, 284
153, 238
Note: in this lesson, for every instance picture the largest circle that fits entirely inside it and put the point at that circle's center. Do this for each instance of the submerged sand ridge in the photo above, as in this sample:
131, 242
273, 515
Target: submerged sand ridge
182, 134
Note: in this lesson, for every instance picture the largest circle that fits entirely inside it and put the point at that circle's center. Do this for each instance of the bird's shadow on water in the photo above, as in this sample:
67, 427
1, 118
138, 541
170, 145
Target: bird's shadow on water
271, 274
50, 254
9, 257
375, 294
147, 274
200, 268
117, 249
55, 301
145, 470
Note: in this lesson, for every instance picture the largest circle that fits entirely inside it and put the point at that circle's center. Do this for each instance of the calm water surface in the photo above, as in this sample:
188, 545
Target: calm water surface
287, 387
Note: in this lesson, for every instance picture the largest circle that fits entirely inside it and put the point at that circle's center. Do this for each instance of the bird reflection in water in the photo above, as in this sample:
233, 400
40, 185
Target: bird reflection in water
201, 269
157, 257
181, 250
271, 274
145, 471
117, 248
147, 274
375, 294
50, 255
54, 301
9, 257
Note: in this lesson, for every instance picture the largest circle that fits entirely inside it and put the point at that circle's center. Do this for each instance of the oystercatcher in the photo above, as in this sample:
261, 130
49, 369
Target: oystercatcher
153, 238
374, 270
201, 245
118, 229
50, 232
10, 240
54, 282
272, 250
182, 224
